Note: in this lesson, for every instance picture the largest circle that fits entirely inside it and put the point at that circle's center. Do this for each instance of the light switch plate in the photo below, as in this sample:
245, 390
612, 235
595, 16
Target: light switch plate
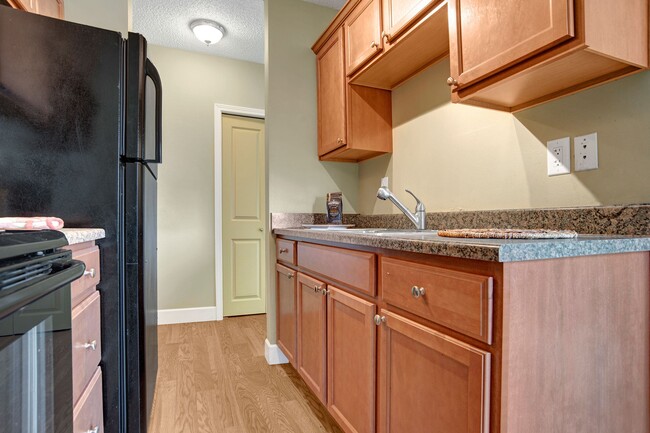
558, 159
384, 181
586, 152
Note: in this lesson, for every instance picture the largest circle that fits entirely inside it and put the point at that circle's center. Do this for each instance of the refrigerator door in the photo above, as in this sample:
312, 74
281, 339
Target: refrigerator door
60, 143
142, 153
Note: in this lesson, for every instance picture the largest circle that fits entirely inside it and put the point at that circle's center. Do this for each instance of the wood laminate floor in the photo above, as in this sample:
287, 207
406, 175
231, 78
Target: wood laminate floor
213, 378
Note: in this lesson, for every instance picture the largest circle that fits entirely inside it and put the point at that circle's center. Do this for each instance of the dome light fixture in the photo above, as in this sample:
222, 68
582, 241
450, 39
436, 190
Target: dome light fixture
207, 31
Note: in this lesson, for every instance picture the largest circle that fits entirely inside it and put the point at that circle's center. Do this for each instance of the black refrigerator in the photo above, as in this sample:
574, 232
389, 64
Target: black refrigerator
80, 139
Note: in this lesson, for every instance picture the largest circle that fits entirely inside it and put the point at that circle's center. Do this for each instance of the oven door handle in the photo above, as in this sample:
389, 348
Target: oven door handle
69, 271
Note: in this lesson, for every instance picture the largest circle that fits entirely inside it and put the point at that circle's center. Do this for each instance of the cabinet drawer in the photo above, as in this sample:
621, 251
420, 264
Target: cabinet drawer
285, 251
86, 343
458, 300
355, 269
83, 286
88, 412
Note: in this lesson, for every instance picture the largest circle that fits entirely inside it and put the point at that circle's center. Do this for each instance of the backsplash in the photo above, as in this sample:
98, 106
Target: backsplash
610, 220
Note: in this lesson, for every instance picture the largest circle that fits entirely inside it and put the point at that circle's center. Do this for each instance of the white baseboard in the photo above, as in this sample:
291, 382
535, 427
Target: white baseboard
187, 315
273, 354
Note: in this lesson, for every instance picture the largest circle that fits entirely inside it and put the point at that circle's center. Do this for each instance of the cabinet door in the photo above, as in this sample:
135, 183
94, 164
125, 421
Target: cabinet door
286, 320
351, 371
429, 382
486, 36
331, 95
312, 343
398, 15
26, 5
362, 34
50, 8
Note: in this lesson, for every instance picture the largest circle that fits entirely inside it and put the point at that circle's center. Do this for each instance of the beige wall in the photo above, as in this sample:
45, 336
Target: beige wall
459, 157
298, 181
192, 84
105, 14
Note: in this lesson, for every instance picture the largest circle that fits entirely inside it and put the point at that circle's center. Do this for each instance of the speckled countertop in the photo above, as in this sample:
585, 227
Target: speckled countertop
501, 250
78, 236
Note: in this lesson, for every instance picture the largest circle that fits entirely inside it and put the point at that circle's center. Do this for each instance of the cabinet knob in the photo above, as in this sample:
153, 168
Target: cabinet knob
374, 44
90, 273
94, 429
91, 345
324, 292
417, 292
379, 319
451, 81
339, 140
289, 276
284, 250
316, 289
385, 36
260, 229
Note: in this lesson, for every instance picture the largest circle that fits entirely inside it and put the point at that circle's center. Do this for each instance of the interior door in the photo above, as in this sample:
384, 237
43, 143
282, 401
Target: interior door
243, 198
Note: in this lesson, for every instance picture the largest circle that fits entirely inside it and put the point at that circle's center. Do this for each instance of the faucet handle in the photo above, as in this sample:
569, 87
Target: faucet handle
419, 206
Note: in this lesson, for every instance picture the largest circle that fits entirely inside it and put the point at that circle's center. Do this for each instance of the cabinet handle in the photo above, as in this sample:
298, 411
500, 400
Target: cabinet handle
379, 319
417, 292
385, 36
94, 430
284, 250
451, 81
90, 273
92, 345
374, 44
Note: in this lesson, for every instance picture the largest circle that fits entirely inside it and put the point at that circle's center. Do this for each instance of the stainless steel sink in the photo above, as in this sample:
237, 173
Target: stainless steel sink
398, 233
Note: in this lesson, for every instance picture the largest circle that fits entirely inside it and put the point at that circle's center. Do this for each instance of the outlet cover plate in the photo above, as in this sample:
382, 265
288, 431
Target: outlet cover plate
586, 152
558, 159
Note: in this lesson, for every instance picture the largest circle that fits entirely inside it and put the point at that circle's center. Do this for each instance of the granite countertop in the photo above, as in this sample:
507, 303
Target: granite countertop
78, 236
498, 250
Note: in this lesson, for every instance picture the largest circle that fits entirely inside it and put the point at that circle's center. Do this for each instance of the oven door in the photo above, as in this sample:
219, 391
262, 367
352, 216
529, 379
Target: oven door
36, 356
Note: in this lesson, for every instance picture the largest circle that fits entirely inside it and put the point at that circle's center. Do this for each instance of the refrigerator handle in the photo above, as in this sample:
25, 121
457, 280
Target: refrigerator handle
151, 71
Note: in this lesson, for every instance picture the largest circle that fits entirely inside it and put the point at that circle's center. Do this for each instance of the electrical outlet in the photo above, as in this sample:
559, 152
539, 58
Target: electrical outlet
586, 152
558, 159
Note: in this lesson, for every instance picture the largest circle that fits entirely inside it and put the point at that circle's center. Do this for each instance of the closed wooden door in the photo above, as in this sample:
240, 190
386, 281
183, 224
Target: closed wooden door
243, 207
312, 342
286, 318
330, 66
351, 370
486, 36
362, 34
429, 382
398, 15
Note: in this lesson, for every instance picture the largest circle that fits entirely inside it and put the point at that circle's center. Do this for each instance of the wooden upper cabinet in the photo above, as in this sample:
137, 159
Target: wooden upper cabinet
493, 34
331, 95
354, 122
429, 382
362, 34
50, 8
511, 55
398, 15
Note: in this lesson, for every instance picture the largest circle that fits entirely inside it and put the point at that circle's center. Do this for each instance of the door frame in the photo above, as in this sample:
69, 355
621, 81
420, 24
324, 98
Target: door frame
219, 111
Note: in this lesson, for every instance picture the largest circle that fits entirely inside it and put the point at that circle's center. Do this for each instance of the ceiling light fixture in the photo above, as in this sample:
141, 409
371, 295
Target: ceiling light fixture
207, 31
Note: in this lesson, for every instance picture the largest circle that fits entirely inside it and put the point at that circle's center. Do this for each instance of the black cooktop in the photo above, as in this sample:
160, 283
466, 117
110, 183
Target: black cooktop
16, 243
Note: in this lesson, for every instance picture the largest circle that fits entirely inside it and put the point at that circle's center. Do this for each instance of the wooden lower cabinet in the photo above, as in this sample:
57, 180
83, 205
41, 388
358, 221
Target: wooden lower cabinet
351, 370
429, 382
285, 286
312, 341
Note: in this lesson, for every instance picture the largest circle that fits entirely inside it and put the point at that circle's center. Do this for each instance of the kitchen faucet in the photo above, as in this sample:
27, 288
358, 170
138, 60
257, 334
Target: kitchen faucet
420, 216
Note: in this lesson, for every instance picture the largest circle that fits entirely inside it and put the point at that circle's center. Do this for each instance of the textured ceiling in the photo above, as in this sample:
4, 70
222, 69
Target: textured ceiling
167, 23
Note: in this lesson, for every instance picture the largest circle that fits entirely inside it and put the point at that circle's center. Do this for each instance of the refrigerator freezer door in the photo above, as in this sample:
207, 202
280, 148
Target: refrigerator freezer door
60, 137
